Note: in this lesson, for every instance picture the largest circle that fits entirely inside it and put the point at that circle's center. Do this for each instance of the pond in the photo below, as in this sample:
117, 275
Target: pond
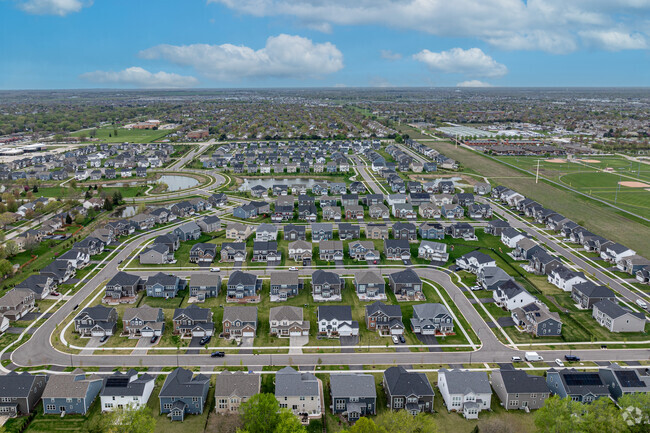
176, 183
268, 183
129, 211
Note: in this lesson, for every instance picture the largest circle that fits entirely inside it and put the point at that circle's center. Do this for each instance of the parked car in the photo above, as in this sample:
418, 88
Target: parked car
516, 359
103, 339
218, 354
205, 340
402, 339
215, 269
559, 362
55, 293
395, 339
571, 358
641, 303
293, 268
154, 339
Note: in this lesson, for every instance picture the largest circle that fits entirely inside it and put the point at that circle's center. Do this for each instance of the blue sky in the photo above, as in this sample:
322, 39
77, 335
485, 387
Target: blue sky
301, 43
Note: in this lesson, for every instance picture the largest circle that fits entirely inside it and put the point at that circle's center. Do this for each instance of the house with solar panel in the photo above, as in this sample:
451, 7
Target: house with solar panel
621, 381
126, 389
580, 386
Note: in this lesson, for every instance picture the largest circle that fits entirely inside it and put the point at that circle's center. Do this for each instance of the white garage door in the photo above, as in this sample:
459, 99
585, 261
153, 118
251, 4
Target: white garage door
248, 334
97, 333
147, 334
295, 334
428, 332
198, 334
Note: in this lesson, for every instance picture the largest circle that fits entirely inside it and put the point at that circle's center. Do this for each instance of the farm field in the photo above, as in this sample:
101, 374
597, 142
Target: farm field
130, 135
594, 216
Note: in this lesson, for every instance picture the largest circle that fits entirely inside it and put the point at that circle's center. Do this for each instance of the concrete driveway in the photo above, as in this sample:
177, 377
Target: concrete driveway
298, 342
143, 344
92, 342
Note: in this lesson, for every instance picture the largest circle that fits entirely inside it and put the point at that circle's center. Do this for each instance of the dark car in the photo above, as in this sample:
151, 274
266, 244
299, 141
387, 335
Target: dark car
154, 339
402, 339
103, 339
218, 354
205, 340
571, 358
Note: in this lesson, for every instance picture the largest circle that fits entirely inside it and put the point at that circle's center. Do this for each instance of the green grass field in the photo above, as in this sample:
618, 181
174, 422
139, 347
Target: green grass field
131, 135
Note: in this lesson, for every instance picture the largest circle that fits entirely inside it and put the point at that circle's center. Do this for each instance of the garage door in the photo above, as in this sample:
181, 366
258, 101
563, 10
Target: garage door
295, 334
147, 333
198, 334
248, 334
97, 333
428, 332
396, 331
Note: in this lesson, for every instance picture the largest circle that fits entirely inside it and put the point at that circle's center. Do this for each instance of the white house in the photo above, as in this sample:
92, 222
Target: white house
336, 321
564, 278
510, 237
126, 389
511, 295
468, 392
475, 261
4, 323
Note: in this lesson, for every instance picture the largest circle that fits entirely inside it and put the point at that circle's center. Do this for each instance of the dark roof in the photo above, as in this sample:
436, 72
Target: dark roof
592, 290
581, 382
164, 279
339, 312
239, 277
195, 313
180, 383
400, 382
97, 312
321, 277
402, 244
16, 384
406, 276
518, 381
613, 310
125, 384
390, 310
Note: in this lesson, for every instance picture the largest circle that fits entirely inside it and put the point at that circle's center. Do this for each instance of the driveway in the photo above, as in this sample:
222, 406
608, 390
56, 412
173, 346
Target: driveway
429, 340
92, 342
348, 343
505, 321
246, 343
399, 347
195, 344
296, 344
143, 344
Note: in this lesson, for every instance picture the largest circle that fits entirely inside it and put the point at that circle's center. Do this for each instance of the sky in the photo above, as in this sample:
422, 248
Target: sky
73, 44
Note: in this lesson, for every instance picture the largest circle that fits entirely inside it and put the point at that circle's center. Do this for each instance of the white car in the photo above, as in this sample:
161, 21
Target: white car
516, 359
293, 268
559, 362
395, 339
215, 269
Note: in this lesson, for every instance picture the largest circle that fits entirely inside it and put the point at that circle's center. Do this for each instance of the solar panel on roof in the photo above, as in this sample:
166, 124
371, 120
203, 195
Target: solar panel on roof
629, 379
582, 379
117, 381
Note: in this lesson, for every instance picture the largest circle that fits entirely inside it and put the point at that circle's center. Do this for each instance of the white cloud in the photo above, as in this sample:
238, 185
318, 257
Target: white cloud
547, 25
390, 55
472, 62
139, 77
52, 7
615, 41
473, 83
283, 56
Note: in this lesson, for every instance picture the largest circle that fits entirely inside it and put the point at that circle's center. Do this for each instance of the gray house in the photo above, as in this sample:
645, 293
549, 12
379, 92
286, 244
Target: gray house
70, 394
370, 285
431, 319
587, 294
204, 286
144, 321
409, 391
621, 381
285, 285
239, 322
193, 321
163, 285
203, 252
20, 392
580, 386
183, 394
294, 232
519, 390
322, 231
97, 321
209, 223
188, 232
353, 395
243, 285
122, 287
405, 284
615, 318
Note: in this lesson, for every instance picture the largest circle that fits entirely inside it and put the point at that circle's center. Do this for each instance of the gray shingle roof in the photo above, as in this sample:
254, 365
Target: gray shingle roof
245, 314
518, 381
16, 384
289, 382
205, 280
180, 383
401, 382
464, 382
353, 385
237, 383
338, 312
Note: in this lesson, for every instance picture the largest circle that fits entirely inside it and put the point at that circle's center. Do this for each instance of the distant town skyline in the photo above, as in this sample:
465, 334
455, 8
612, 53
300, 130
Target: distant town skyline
61, 44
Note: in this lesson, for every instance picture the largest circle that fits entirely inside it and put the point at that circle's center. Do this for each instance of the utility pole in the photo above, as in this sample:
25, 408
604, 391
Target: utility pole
537, 174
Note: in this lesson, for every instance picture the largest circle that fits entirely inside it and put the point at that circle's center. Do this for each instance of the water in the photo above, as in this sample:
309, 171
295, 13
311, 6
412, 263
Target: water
175, 183
268, 183
129, 211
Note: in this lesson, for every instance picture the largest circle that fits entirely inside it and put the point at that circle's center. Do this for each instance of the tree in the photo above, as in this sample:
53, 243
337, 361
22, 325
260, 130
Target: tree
142, 208
128, 420
108, 204
117, 198
567, 416
636, 408
365, 425
289, 423
5, 267
68, 219
261, 413
403, 422
73, 183
11, 248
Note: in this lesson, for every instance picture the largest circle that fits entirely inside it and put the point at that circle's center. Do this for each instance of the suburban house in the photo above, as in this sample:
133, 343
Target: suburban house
330, 250
511, 295
193, 321
542, 263
209, 224
386, 319
266, 232
452, 211
349, 231
580, 386
183, 394
461, 231
332, 213
144, 321
232, 388
429, 211
326, 285
496, 227
363, 250
284, 285
491, 277
621, 381
406, 231
243, 286
238, 231
510, 237
239, 322
322, 232
370, 285
615, 318
298, 391
233, 252
378, 211
475, 261
97, 321
376, 231
294, 232
189, 231
430, 230
406, 285
156, 254
20, 392
59, 270
163, 285
203, 252
519, 390
70, 394
431, 319
353, 395
266, 251
434, 251
467, 392
287, 321
335, 321
300, 251
203, 286
564, 278
409, 391
41, 285
121, 390
587, 294
397, 249
122, 288
169, 239
538, 320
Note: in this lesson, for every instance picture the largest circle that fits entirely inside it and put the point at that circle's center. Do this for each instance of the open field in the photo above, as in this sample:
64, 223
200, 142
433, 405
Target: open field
131, 135
594, 216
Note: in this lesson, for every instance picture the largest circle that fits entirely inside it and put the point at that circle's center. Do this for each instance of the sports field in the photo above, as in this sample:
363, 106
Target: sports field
130, 135
598, 176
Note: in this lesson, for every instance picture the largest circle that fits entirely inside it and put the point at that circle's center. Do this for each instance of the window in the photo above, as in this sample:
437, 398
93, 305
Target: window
195, 399
68, 400
533, 396
166, 406
302, 398
108, 405
514, 402
5, 399
50, 407
398, 402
